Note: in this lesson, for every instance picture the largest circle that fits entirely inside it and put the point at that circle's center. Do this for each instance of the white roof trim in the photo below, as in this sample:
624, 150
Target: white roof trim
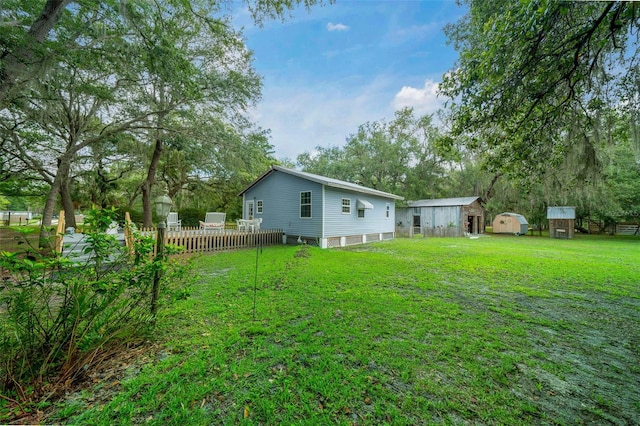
334, 183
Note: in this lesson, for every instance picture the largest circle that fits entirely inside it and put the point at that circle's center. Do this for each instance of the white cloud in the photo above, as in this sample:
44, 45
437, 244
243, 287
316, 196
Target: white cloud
423, 100
301, 118
414, 33
337, 27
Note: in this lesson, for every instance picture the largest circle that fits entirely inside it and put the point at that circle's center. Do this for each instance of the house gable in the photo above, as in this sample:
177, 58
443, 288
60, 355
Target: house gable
337, 209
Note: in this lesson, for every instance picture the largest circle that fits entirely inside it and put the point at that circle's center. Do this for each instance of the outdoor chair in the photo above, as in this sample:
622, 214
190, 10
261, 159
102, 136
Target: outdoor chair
249, 224
213, 220
173, 221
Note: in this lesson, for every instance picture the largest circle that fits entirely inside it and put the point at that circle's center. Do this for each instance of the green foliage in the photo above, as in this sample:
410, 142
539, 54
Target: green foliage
135, 215
58, 314
398, 157
414, 331
191, 217
533, 76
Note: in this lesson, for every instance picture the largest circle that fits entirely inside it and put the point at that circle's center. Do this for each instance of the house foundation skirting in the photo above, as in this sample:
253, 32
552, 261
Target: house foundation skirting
350, 240
331, 242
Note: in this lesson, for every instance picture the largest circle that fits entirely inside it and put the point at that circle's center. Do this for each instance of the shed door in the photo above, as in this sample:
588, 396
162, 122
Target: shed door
562, 228
416, 223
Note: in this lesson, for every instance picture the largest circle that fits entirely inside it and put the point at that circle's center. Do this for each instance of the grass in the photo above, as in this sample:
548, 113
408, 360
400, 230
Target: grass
497, 330
18, 238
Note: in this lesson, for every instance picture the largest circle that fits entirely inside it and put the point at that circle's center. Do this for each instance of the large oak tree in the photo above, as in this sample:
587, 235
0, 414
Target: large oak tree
532, 77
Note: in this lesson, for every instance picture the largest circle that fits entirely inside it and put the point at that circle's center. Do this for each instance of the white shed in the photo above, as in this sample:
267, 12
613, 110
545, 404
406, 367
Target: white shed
510, 223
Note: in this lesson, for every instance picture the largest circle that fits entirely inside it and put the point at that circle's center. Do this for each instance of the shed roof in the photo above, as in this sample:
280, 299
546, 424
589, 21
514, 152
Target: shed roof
561, 212
334, 183
521, 219
443, 202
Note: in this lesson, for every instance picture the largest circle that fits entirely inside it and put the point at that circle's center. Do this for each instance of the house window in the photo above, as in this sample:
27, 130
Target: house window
388, 212
259, 206
346, 205
416, 210
305, 204
361, 213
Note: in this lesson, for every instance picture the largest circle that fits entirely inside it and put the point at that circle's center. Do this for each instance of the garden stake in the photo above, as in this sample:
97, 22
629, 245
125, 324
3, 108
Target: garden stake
255, 280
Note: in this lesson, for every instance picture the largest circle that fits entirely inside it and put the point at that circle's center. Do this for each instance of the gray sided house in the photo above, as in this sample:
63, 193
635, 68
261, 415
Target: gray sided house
319, 210
444, 217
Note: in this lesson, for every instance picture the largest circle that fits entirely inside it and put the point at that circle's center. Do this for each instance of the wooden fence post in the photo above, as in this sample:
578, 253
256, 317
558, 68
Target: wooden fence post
60, 233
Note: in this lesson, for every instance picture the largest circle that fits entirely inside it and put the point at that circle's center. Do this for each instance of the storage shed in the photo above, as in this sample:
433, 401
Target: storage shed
443, 217
510, 223
561, 221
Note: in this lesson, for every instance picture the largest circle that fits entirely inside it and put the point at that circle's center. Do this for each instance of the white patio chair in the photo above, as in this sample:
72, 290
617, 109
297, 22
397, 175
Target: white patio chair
173, 221
213, 220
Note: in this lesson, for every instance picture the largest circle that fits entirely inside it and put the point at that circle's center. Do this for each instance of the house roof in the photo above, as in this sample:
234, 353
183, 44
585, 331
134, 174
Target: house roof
561, 212
443, 202
521, 219
334, 183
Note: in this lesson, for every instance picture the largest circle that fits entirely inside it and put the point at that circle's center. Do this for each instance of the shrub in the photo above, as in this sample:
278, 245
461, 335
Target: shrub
191, 217
136, 216
56, 314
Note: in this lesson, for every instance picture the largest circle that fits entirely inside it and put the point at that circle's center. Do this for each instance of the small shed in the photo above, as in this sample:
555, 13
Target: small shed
510, 223
561, 221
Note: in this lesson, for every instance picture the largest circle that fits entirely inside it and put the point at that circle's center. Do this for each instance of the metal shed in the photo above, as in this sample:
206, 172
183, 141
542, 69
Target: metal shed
510, 223
561, 221
444, 217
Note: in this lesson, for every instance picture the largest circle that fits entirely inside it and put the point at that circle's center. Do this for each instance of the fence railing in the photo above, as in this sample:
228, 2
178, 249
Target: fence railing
627, 229
195, 240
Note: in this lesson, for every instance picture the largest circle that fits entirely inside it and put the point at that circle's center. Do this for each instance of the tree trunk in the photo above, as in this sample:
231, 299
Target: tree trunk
147, 219
47, 213
489, 192
14, 65
147, 186
64, 165
67, 203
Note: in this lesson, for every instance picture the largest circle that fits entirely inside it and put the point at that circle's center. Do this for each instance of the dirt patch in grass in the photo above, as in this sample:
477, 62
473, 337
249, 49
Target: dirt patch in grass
98, 386
594, 342
303, 252
581, 363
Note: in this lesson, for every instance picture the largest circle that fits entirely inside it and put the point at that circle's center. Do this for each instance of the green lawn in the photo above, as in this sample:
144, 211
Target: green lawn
495, 330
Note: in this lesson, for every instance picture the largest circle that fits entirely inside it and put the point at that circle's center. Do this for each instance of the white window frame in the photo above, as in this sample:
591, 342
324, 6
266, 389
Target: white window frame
360, 212
310, 204
346, 207
259, 207
388, 211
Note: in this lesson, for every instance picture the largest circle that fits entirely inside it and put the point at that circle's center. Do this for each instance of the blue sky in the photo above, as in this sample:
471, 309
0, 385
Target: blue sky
329, 70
